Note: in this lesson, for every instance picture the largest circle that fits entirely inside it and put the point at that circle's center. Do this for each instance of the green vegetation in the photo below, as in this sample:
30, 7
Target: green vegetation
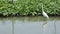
29, 7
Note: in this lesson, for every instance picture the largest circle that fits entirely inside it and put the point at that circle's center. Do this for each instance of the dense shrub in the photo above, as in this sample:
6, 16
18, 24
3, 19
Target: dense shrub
29, 7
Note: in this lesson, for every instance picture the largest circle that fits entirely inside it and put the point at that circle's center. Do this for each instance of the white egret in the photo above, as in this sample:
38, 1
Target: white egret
45, 24
44, 14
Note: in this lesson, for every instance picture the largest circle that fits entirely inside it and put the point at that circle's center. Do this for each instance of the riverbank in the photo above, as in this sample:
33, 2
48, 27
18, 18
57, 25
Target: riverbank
29, 7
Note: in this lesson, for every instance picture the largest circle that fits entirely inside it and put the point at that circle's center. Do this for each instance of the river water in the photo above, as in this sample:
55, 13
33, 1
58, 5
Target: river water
29, 25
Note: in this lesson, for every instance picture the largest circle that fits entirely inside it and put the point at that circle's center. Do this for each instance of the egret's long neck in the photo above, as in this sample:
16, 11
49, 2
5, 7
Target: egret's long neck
42, 8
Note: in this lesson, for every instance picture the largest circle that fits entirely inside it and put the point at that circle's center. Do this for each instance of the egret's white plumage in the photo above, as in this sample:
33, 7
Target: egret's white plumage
44, 14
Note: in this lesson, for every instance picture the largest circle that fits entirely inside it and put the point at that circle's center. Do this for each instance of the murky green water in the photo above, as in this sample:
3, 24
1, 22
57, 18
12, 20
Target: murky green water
29, 25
